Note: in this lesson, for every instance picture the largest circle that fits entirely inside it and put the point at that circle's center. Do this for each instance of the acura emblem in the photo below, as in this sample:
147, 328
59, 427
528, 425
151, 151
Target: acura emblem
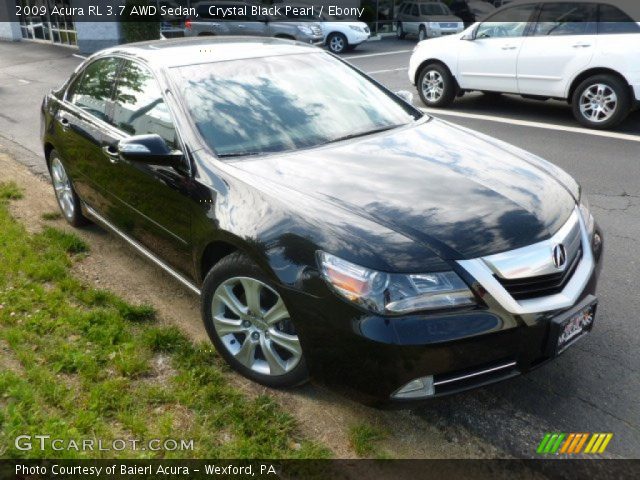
559, 256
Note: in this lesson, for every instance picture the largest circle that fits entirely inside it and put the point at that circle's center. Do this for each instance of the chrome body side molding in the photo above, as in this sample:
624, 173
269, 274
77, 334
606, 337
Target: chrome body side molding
182, 279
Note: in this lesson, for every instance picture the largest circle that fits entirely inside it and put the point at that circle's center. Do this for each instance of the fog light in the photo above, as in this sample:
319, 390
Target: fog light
418, 388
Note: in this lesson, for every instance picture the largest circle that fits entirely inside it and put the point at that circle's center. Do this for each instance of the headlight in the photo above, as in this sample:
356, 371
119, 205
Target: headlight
587, 217
356, 28
305, 29
434, 25
394, 294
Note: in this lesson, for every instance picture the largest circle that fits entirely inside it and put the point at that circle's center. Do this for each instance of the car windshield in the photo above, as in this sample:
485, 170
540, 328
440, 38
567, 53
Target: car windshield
434, 9
284, 103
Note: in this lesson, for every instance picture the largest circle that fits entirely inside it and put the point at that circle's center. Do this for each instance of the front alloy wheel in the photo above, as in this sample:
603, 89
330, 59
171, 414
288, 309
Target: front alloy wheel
337, 43
249, 323
436, 86
422, 34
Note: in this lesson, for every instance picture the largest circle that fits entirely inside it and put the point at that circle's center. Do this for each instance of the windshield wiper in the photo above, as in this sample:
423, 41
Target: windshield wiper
238, 154
362, 134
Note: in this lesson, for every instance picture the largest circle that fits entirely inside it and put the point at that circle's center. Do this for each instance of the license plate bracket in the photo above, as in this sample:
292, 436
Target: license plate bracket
567, 328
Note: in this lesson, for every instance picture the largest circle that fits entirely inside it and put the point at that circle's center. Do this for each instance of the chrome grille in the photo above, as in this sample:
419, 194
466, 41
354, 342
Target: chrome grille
316, 30
550, 281
543, 285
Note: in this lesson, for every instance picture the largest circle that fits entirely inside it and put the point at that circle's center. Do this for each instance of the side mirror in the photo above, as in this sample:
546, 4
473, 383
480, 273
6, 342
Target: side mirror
470, 36
405, 95
149, 149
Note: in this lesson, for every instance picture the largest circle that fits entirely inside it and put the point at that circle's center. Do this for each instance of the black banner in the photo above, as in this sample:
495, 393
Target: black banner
321, 469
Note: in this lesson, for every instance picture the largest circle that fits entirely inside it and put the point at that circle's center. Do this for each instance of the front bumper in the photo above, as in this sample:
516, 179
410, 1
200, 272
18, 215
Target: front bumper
369, 357
310, 39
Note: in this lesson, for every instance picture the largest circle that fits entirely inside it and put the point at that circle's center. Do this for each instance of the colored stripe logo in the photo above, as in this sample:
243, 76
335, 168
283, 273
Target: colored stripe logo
574, 443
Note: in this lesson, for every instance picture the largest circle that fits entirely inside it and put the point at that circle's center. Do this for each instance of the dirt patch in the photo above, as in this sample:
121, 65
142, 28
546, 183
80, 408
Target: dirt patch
8, 361
323, 415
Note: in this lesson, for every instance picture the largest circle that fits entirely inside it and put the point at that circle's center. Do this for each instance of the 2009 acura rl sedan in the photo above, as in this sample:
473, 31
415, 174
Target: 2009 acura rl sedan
331, 229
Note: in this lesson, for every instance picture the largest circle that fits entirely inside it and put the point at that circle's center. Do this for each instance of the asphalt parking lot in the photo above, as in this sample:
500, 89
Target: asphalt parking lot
594, 386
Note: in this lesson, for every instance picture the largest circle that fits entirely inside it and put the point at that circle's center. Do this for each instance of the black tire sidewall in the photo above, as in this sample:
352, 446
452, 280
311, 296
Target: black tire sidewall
78, 219
239, 265
449, 94
622, 92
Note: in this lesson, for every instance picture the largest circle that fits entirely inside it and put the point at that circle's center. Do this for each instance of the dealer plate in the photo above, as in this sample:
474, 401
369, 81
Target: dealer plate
568, 328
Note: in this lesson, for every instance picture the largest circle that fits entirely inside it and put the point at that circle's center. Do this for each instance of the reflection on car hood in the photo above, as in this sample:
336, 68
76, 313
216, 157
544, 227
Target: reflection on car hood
463, 195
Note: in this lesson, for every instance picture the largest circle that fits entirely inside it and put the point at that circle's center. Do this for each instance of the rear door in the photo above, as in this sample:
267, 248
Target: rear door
560, 46
154, 200
82, 121
490, 61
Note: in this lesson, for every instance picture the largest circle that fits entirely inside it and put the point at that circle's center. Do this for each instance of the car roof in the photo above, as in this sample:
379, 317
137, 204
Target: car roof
191, 51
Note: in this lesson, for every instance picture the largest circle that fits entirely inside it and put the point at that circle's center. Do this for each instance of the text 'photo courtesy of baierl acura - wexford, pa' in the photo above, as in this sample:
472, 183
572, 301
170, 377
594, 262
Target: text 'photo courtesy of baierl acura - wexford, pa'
308, 238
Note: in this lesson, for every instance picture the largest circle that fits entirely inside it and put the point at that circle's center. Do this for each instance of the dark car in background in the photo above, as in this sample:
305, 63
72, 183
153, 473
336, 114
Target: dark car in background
330, 229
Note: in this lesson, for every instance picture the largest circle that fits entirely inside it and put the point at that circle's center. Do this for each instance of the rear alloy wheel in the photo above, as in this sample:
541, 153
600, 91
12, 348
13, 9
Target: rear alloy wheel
602, 101
249, 324
400, 32
68, 200
436, 86
337, 43
422, 34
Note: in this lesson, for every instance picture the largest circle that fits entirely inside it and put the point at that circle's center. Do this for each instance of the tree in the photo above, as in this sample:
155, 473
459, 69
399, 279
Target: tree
138, 24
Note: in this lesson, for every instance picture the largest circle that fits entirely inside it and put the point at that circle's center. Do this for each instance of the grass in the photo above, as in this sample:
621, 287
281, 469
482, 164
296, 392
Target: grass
10, 191
365, 439
80, 363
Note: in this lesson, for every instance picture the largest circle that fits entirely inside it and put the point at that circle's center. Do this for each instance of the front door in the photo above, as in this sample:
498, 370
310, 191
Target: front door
489, 62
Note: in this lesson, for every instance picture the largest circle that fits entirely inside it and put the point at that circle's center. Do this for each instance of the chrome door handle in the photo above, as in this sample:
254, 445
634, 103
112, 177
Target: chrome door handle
111, 153
509, 47
582, 45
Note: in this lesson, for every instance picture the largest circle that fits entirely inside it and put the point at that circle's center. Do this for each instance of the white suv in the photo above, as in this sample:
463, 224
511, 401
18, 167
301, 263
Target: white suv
584, 51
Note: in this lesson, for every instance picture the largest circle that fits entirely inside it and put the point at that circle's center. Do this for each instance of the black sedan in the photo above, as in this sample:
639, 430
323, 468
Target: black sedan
330, 229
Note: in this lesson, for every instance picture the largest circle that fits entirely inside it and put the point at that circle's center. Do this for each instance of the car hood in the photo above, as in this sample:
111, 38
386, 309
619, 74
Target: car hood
462, 194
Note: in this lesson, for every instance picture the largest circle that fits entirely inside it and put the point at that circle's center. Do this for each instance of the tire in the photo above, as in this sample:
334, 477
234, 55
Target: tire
68, 200
590, 106
422, 34
337, 42
442, 90
400, 33
245, 339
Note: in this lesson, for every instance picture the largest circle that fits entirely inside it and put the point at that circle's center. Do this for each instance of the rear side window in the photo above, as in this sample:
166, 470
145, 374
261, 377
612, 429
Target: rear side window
414, 10
93, 90
612, 20
139, 108
567, 19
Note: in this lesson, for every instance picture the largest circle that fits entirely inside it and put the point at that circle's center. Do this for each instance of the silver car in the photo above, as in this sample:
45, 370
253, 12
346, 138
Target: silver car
240, 21
426, 20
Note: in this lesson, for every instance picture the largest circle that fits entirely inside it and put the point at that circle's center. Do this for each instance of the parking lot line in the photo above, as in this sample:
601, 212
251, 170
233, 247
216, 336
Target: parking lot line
526, 123
368, 55
387, 71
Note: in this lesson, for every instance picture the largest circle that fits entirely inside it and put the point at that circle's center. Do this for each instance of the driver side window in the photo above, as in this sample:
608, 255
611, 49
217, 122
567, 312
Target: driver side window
508, 23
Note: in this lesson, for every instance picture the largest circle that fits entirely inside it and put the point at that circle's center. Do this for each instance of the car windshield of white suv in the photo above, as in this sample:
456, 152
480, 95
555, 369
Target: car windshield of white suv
434, 9
284, 103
